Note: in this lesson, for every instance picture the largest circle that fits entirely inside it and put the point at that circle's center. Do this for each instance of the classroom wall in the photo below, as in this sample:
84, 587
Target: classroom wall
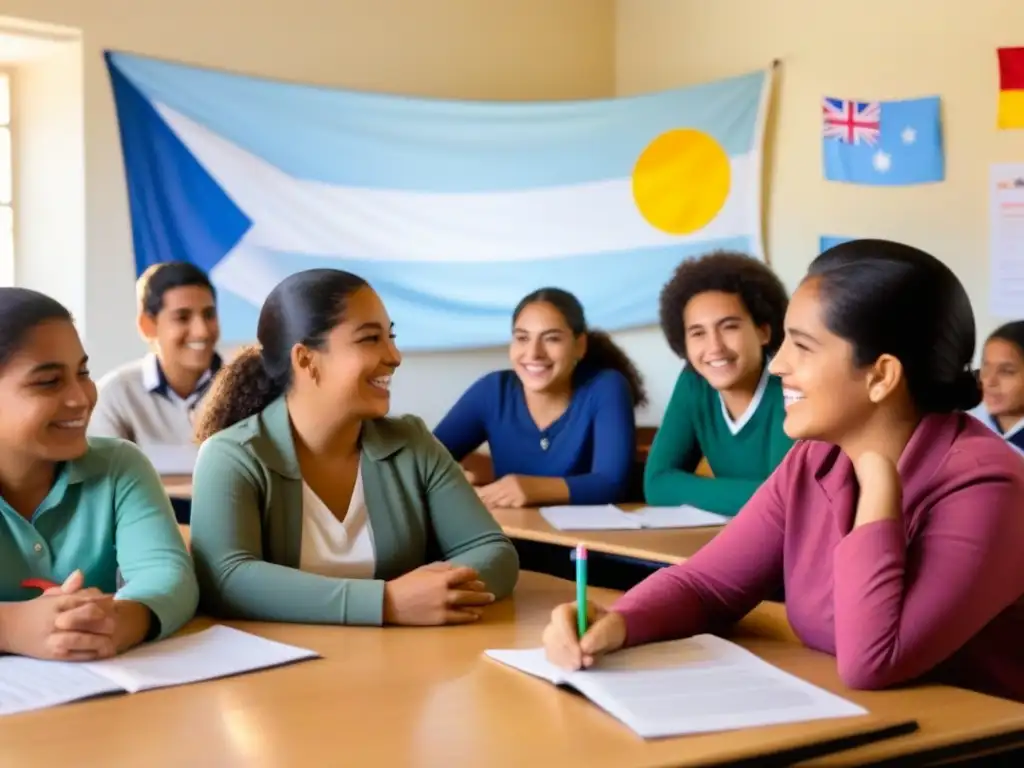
487, 49
553, 49
873, 49
49, 128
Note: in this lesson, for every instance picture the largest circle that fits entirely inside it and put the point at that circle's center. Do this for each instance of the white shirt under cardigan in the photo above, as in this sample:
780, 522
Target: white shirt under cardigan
332, 547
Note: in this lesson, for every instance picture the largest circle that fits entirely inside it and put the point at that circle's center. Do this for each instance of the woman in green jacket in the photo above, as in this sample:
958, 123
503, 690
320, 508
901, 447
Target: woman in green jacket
309, 505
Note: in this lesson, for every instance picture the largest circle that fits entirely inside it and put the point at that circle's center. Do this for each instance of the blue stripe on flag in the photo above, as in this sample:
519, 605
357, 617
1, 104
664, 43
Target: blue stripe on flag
449, 306
830, 241
394, 142
207, 223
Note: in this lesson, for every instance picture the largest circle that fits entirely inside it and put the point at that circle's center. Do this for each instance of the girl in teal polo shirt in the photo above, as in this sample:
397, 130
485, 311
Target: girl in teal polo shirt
91, 559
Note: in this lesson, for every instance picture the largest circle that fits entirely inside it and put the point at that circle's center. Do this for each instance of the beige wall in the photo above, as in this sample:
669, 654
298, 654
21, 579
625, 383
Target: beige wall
873, 49
494, 49
550, 49
50, 253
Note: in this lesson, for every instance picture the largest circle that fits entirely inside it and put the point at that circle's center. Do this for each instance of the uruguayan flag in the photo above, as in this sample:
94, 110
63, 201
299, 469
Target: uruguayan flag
452, 210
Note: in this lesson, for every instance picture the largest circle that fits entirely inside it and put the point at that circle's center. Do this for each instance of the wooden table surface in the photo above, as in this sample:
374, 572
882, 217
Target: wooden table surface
672, 545
664, 546
178, 486
426, 697
952, 722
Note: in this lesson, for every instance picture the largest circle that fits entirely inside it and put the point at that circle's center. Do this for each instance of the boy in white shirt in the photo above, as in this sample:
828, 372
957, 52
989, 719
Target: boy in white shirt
153, 401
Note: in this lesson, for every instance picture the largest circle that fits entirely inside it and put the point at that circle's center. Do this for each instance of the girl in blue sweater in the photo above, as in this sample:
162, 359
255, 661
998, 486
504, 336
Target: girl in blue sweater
560, 423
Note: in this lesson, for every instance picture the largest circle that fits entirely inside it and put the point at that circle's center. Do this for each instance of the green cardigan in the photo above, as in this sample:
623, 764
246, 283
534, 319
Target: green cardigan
247, 522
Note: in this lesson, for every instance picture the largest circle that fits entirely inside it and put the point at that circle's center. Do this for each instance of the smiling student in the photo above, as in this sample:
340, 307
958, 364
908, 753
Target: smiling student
309, 505
1002, 381
895, 522
152, 401
82, 513
722, 314
560, 424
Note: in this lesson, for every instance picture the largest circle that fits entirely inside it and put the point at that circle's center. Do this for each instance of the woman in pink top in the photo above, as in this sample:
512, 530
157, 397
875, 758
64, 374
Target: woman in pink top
896, 523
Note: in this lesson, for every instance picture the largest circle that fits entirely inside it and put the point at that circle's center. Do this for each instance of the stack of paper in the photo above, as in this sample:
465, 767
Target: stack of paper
698, 685
27, 684
611, 518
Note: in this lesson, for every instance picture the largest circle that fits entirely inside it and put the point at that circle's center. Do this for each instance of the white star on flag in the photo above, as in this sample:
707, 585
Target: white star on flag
909, 135
882, 161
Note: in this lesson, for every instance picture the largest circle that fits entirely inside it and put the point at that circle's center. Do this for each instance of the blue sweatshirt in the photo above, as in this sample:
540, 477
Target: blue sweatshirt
591, 446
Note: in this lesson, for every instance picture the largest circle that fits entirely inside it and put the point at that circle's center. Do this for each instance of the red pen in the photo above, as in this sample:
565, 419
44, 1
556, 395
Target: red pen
40, 584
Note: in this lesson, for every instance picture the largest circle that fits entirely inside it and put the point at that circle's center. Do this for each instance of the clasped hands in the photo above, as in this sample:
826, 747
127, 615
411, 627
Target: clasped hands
65, 623
435, 594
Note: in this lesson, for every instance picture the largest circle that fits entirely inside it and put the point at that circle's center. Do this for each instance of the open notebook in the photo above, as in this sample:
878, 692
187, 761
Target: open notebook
697, 685
611, 518
27, 684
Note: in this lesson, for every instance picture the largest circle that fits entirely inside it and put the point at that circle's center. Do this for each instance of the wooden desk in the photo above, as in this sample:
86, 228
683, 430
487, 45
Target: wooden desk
399, 697
661, 546
178, 486
954, 723
665, 546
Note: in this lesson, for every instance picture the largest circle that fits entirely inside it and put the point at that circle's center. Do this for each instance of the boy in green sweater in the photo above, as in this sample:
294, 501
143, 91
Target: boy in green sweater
723, 315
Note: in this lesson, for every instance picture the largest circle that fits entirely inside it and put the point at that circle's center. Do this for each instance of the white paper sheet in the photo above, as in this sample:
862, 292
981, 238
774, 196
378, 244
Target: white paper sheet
678, 517
215, 652
611, 518
1006, 240
698, 685
589, 518
27, 684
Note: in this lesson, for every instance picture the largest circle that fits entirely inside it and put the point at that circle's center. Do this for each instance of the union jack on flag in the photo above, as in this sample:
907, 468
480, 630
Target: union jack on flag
852, 122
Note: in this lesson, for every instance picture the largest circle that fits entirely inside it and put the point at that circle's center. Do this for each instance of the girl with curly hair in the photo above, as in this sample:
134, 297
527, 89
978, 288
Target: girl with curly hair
722, 314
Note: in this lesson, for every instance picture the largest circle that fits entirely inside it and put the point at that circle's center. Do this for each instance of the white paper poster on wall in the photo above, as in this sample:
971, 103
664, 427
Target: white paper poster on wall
1006, 241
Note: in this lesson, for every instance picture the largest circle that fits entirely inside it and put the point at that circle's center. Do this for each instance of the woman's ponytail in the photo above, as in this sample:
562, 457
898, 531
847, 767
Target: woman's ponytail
603, 353
241, 388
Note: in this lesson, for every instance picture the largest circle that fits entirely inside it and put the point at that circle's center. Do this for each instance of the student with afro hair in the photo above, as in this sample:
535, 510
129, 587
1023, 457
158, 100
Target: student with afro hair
723, 315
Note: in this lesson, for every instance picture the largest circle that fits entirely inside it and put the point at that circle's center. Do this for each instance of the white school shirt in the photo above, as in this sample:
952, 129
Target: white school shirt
1011, 436
735, 425
330, 547
136, 403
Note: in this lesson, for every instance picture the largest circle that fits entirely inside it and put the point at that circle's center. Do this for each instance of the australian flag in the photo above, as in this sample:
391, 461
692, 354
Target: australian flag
887, 143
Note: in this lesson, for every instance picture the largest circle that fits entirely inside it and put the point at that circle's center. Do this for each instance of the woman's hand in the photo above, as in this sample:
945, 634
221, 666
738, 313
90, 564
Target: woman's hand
510, 491
606, 632
72, 584
66, 627
132, 622
881, 490
874, 469
439, 593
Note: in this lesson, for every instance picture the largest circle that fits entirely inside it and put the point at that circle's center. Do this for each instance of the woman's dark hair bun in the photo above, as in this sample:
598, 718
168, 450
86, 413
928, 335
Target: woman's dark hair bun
962, 395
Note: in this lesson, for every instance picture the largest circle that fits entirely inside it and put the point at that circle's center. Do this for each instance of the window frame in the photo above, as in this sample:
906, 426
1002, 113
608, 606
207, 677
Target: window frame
8, 254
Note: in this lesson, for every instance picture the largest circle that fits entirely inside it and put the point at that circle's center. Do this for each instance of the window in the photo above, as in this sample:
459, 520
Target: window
6, 183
